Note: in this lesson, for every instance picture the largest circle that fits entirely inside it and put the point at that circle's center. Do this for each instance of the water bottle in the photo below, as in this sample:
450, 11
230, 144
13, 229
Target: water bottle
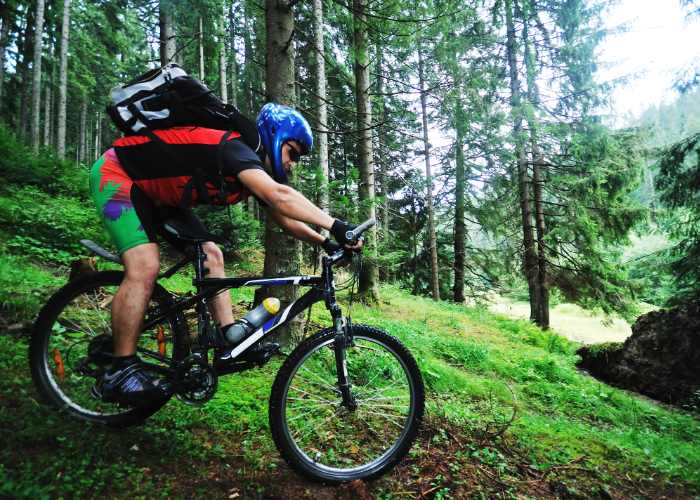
253, 320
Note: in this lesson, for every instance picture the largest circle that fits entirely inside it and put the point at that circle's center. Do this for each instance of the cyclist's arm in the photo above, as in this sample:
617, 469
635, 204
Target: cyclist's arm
285, 200
294, 228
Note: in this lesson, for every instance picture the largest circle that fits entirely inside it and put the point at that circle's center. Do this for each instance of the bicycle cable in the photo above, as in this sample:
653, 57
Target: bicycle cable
355, 280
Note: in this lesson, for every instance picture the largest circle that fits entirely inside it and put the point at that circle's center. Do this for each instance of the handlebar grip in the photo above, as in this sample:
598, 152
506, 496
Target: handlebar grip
355, 233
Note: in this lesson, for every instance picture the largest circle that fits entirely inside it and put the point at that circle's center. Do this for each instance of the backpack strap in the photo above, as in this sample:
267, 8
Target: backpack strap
136, 114
200, 180
221, 195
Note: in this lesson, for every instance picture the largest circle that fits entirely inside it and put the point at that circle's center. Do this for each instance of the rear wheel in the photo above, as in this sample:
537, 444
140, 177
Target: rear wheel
72, 346
324, 440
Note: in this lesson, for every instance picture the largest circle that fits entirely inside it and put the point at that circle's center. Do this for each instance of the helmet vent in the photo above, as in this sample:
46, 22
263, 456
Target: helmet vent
273, 130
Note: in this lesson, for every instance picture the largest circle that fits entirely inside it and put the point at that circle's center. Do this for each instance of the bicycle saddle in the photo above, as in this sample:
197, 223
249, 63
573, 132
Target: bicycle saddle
194, 235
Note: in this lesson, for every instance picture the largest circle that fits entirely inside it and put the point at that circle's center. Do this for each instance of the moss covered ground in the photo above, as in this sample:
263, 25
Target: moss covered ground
572, 436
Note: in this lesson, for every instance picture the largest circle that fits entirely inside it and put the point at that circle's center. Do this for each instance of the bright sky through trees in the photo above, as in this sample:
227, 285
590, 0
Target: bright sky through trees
659, 42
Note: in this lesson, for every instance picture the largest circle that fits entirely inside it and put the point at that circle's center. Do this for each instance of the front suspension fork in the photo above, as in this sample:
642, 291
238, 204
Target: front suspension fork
341, 365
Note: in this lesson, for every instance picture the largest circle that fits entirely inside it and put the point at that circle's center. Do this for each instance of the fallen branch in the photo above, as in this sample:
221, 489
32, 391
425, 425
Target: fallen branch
634, 484
494, 478
512, 418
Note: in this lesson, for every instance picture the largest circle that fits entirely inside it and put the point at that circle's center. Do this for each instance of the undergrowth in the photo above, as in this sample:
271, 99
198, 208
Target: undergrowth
475, 364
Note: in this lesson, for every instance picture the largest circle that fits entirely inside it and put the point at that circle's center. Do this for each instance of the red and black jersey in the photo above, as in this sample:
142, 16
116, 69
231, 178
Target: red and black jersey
163, 172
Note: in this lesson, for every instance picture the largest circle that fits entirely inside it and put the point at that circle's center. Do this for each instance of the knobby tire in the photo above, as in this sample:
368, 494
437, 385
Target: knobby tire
326, 442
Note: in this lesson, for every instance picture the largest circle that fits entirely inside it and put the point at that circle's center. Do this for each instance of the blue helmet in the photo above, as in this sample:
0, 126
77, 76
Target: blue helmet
278, 124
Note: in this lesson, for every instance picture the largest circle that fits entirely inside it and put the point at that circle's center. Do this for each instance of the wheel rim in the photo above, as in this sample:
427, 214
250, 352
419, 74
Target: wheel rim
85, 316
337, 441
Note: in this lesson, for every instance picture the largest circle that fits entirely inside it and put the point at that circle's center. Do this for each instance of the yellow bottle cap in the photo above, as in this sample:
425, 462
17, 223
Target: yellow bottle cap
272, 305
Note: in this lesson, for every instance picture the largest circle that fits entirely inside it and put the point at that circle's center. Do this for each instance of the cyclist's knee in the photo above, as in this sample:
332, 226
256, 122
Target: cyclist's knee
142, 263
215, 257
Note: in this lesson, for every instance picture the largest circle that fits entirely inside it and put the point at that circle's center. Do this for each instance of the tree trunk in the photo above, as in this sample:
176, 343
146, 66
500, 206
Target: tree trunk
531, 270
543, 314
26, 59
82, 266
460, 247
282, 253
201, 50
88, 141
369, 279
47, 112
252, 207
82, 153
415, 245
543, 319
248, 50
98, 136
3, 44
167, 33
63, 82
51, 104
232, 57
383, 158
223, 88
36, 79
322, 113
429, 176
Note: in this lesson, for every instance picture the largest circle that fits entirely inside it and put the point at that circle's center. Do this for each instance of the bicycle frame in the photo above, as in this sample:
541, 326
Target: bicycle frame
323, 289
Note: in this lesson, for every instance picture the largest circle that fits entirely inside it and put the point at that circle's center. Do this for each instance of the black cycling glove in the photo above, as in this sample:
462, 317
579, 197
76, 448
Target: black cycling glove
338, 231
330, 247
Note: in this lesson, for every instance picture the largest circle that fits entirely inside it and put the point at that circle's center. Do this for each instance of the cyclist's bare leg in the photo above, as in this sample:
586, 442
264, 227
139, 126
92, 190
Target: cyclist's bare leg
220, 306
142, 264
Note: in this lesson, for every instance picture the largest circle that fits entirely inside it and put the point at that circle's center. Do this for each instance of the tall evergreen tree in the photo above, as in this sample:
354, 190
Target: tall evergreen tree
36, 77
369, 279
282, 252
63, 81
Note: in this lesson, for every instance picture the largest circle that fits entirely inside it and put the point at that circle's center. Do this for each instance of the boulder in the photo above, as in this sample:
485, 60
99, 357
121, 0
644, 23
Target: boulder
660, 359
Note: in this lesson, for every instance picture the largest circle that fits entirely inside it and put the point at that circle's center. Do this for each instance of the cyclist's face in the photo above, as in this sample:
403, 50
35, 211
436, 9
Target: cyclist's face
291, 151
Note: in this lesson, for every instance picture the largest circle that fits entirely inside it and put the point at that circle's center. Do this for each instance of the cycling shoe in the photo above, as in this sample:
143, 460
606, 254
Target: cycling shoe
130, 386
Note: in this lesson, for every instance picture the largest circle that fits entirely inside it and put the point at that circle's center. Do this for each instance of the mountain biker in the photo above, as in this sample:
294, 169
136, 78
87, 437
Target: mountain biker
136, 186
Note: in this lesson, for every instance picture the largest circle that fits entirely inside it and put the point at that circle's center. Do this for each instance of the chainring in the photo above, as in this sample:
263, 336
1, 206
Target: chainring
196, 382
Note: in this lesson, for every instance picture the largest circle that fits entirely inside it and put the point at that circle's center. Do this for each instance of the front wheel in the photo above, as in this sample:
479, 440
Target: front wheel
72, 346
324, 440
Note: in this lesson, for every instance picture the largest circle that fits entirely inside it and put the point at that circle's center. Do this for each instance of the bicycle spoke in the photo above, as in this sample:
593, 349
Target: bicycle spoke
96, 308
370, 426
328, 384
364, 388
379, 391
319, 425
309, 398
316, 408
387, 417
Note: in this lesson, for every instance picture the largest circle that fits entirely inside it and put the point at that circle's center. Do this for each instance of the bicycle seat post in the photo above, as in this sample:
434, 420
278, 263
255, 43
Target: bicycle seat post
203, 318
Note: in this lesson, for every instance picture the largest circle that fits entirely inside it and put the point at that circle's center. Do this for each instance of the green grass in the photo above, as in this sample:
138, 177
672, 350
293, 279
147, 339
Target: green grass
560, 408
466, 355
24, 287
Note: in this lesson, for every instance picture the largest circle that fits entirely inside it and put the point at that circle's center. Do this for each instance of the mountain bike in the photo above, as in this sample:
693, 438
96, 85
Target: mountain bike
346, 404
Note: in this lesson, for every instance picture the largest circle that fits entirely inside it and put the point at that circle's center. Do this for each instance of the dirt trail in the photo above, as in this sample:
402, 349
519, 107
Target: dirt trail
571, 322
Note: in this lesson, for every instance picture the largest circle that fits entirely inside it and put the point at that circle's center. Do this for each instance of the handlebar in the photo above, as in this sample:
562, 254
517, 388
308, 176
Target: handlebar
355, 233
352, 236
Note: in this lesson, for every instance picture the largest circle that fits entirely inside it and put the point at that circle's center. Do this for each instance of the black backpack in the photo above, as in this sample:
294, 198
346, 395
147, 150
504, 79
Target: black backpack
168, 97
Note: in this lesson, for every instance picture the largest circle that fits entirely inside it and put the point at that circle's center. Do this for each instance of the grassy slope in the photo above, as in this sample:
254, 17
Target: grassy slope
466, 355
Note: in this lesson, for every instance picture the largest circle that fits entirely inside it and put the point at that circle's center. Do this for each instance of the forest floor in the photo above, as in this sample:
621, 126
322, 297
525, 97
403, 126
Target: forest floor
573, 437
571, 321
